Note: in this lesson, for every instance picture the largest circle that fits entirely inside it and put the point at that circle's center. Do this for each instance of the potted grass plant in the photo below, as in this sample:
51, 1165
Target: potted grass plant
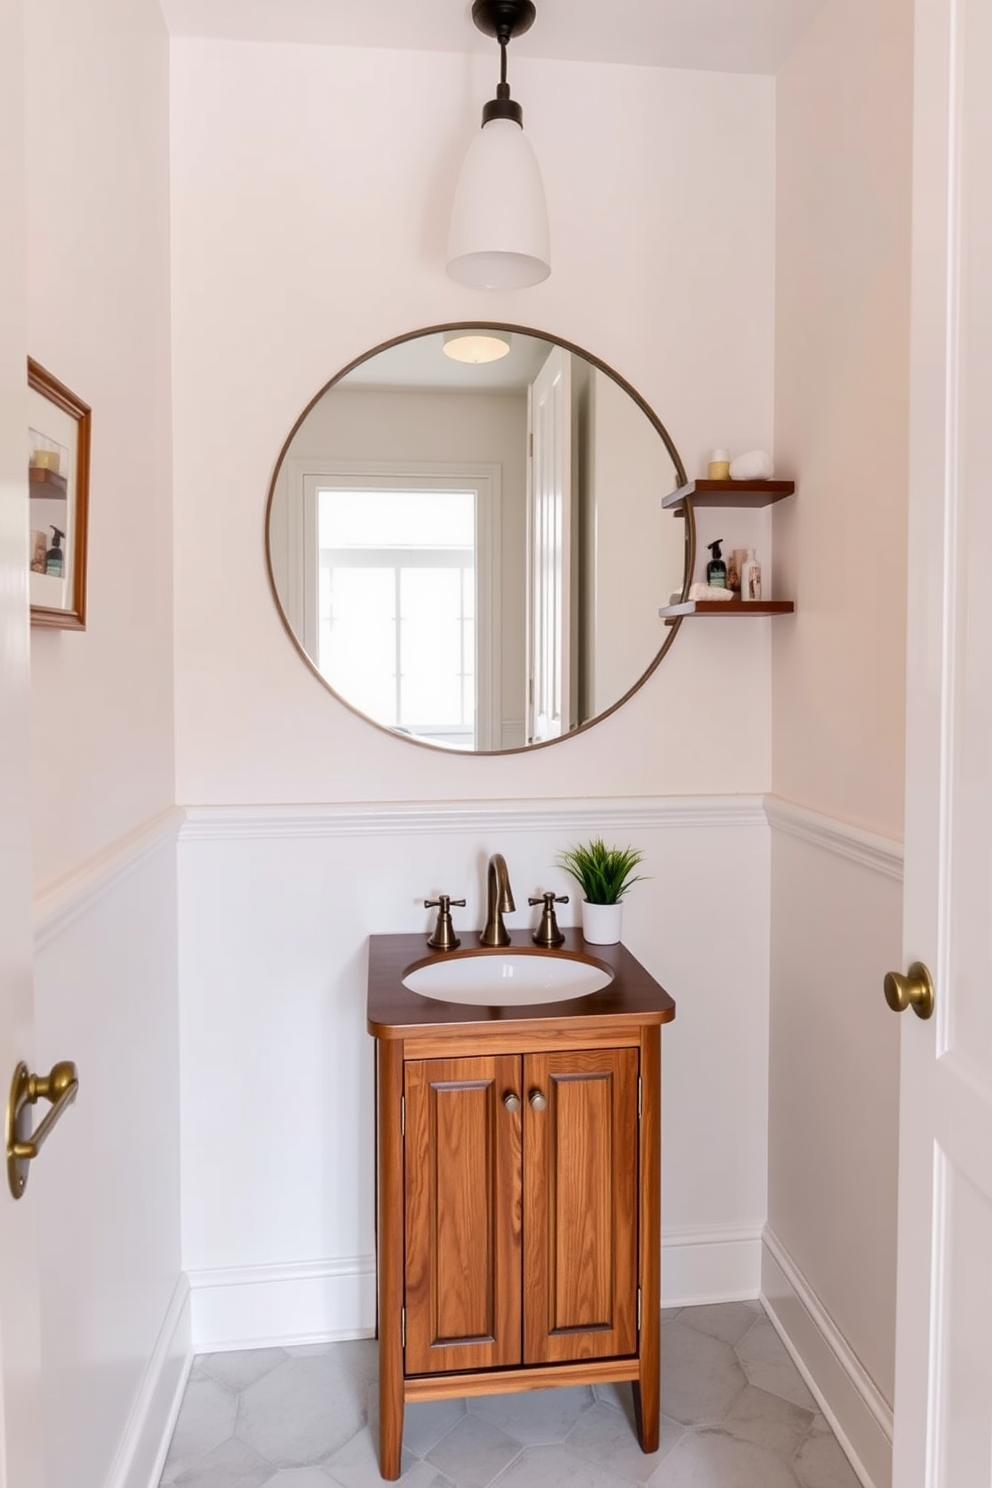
604, 875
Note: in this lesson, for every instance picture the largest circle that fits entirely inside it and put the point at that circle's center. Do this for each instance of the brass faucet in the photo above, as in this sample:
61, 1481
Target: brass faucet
499, 901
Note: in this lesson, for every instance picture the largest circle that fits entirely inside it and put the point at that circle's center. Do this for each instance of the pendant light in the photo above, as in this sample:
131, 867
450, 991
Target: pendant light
499, 236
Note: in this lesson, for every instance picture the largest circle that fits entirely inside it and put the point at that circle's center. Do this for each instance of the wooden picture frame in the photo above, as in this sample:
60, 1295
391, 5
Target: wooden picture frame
58, 495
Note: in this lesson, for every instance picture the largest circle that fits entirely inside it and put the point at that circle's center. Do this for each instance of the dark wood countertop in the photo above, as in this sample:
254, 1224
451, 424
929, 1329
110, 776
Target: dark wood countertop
395, 1012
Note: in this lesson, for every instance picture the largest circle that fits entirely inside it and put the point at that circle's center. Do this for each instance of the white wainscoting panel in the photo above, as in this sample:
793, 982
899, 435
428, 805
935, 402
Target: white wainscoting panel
276, 906
107, 1186
828, 1263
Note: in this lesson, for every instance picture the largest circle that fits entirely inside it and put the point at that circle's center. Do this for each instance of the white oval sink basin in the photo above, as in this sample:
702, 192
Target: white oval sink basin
507, 978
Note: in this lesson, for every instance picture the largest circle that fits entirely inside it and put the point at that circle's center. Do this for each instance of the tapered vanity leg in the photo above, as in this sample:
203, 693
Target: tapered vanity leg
390, 1257
647, 1386
647, 1405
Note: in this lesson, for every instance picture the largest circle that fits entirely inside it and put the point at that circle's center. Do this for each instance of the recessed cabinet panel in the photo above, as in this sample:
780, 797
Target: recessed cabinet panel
462, 1214
580, 1206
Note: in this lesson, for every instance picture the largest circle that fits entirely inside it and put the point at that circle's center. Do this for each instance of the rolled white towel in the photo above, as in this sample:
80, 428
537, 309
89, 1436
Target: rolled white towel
709, 591
755, 465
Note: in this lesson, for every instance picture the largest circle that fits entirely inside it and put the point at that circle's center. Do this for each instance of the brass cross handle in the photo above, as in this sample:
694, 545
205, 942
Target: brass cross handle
23, 1142
443, 937
914, 990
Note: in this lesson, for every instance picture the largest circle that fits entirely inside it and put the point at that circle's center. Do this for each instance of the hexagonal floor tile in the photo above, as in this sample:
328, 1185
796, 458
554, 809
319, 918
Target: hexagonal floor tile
206, 1420
605, 1435
356, 1465
767, 1364
426, 1421
700, 1376
307, 1416
534, 1417
299, 1477
728, 1321
560, 1466
821, 1463
302, 1411
474, 1452
768, 1421
231, 1465
711, 1458
241, 1367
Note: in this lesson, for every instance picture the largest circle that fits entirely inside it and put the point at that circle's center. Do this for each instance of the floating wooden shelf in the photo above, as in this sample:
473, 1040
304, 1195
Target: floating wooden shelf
727, 608
727, 493
47, 483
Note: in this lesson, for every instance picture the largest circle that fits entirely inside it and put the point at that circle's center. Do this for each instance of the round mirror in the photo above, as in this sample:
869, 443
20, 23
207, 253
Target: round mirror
466, 539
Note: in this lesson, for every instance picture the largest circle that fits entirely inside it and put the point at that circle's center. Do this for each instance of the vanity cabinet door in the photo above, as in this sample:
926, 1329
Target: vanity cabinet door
580, 1205
463, 1214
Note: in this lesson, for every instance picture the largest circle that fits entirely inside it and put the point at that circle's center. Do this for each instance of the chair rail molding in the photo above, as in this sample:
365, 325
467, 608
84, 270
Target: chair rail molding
346, 819
832, 834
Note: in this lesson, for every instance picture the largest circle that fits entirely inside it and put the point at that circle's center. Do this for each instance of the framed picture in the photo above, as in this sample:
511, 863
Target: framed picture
58, 486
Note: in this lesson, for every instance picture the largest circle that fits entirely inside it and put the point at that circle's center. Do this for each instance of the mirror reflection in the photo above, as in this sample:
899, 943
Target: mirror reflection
466, 540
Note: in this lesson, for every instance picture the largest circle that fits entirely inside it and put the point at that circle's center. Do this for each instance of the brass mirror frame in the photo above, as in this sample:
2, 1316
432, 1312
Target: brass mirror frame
681, 479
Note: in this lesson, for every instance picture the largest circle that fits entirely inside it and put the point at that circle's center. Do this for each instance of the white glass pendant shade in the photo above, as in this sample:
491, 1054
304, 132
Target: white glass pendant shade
499, 237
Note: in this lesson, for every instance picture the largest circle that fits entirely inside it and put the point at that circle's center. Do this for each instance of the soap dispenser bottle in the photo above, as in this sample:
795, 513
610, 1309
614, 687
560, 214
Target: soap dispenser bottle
55, 557
716, 569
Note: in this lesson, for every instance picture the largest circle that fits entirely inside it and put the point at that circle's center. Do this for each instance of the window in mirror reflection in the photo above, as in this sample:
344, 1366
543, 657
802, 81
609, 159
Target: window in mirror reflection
396, 603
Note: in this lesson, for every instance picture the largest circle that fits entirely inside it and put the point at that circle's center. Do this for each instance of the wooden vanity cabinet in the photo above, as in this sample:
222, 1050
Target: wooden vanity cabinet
518, 1194
521, 1224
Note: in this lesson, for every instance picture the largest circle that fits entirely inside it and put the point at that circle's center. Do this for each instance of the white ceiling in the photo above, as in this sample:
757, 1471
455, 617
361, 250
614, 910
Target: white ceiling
709, 35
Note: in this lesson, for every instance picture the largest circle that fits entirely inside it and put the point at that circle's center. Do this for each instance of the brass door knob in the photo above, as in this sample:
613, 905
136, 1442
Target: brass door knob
914, 990
538, 1100
511, 1101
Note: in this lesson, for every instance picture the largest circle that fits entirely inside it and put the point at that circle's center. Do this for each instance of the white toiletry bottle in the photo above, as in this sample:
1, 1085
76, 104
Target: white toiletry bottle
750, 577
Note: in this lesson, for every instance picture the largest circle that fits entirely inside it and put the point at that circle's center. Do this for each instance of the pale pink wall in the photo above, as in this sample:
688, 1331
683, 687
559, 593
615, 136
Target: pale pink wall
844, 103
841, 417
96, 243
311, 190
98, 318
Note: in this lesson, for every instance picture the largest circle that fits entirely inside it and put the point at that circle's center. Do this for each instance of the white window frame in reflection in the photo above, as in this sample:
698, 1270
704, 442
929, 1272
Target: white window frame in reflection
396, 617
483, 481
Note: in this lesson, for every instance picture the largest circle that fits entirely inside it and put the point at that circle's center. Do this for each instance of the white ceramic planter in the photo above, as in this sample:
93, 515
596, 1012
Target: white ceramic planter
601, 923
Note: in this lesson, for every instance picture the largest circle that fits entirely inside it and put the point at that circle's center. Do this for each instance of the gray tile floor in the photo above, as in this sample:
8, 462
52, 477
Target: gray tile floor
736, 1414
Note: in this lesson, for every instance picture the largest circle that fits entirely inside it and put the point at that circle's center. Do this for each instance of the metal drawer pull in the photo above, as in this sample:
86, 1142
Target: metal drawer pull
23, 1145
538, 1100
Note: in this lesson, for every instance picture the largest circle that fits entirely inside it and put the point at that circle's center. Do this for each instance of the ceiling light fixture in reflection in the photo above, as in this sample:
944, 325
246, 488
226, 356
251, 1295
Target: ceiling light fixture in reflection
475, 346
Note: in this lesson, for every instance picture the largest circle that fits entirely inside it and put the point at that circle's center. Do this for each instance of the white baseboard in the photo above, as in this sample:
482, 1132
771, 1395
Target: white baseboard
719, 1264
261, 1306
859, 1415
143, 1447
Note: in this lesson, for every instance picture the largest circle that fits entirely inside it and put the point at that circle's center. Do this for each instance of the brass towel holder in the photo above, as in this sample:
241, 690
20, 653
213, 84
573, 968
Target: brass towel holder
23, 1143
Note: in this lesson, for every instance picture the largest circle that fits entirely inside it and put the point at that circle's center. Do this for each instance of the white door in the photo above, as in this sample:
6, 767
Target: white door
20, 1392
549, 604
943, 1402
